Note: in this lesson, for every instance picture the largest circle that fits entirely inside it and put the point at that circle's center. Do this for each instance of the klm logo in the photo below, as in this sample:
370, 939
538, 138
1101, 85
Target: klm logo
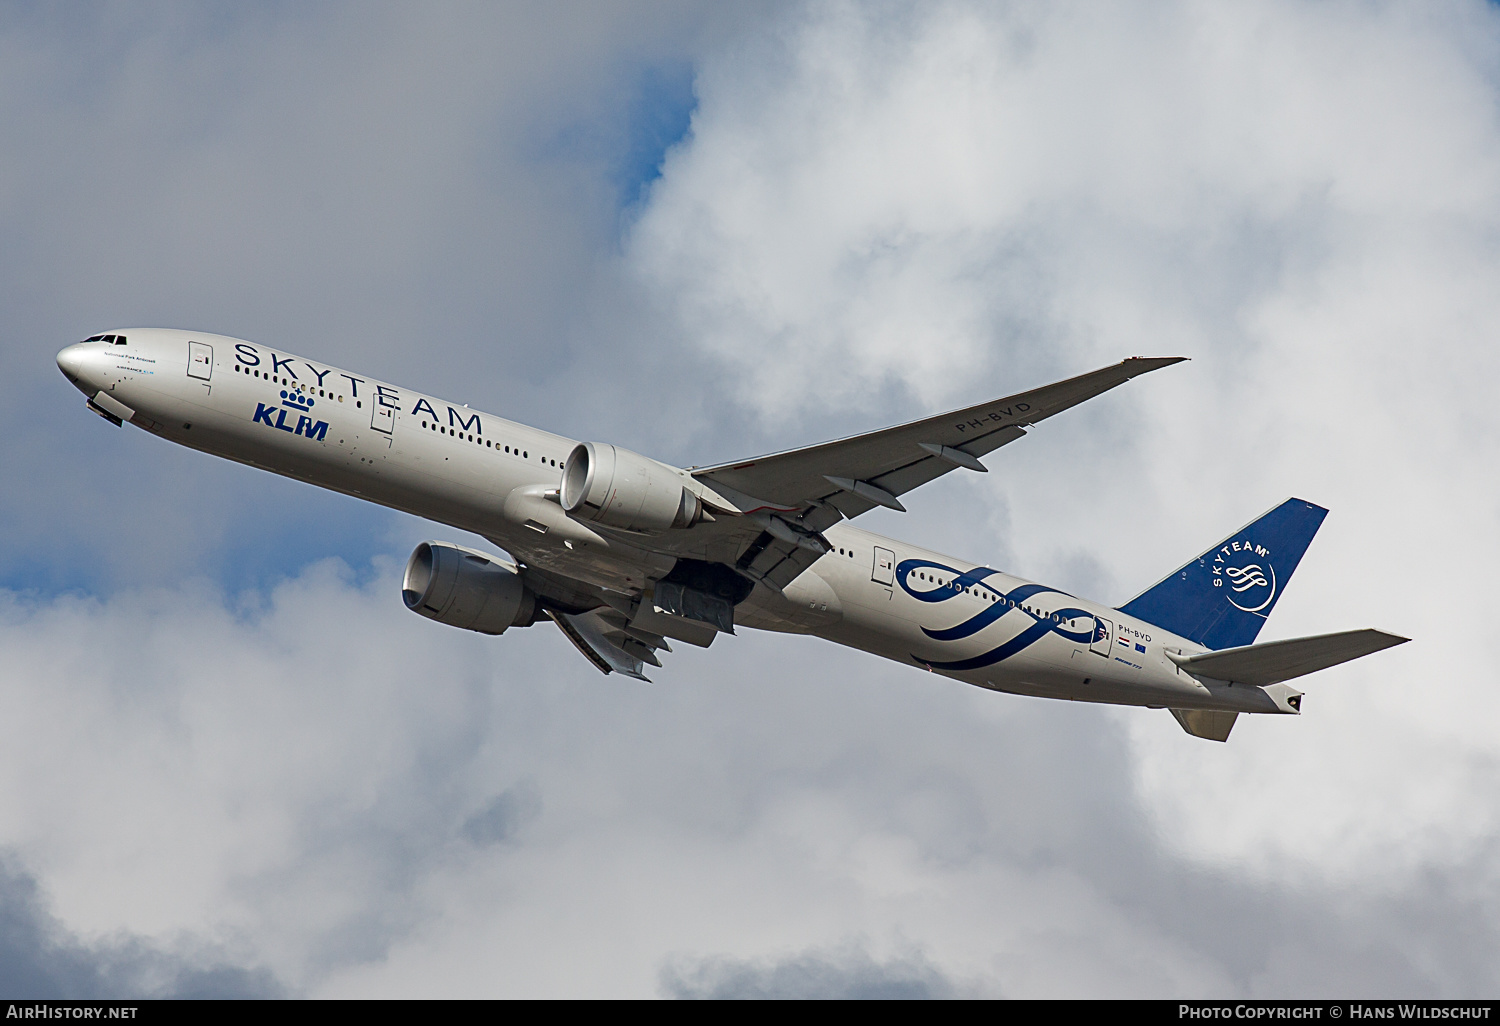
276, 417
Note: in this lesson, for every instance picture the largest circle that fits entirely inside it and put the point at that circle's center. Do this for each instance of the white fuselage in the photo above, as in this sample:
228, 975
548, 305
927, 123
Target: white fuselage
481, 473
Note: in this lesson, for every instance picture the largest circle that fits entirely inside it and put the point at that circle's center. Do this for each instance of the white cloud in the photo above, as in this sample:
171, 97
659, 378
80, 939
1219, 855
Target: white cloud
1303, 198
296, 784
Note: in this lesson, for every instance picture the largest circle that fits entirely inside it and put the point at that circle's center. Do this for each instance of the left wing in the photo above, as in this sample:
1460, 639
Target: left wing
857, 474
787, 499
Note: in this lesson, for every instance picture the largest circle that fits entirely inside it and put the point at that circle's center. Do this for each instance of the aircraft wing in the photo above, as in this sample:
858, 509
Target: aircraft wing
606, 640
787, 499
856, 474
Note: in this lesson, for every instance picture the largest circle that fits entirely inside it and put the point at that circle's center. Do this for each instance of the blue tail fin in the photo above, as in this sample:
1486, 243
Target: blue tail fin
1221, 599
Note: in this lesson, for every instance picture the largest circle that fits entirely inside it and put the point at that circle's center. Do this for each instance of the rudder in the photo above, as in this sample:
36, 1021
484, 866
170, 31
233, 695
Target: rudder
1222, 598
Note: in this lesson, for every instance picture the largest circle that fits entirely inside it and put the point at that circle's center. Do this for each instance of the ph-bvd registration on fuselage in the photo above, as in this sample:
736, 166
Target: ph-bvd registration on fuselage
626, 554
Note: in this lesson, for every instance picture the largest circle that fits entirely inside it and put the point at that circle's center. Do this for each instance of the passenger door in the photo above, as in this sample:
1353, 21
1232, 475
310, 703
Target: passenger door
884, 570
200, 360
1103, 633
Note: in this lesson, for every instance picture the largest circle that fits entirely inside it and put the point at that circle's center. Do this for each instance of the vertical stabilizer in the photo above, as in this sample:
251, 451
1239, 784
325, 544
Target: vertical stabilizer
1222, 598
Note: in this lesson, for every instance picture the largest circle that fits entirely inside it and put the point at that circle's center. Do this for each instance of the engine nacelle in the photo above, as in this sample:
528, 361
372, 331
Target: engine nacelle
465, 588
620, 488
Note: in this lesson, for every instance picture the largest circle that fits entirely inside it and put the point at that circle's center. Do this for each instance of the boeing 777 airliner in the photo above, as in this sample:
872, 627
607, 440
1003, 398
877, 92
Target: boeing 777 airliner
623, 552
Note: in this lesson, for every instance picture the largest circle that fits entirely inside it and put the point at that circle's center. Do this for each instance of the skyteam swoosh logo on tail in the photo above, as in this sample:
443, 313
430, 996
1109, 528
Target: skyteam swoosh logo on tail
1243, 579
1003, 604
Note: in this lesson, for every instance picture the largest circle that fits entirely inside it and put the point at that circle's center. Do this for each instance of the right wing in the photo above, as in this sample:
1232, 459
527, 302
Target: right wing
606, 640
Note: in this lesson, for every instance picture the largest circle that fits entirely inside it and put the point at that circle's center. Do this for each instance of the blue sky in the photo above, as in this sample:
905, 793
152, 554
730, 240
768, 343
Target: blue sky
658, 118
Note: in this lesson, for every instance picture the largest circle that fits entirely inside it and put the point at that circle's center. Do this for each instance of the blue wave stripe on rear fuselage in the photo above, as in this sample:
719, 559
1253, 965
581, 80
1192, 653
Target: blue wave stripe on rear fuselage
1006, 602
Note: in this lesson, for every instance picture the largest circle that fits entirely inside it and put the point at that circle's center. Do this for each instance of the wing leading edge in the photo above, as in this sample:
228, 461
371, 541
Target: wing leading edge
787, 499
856, 474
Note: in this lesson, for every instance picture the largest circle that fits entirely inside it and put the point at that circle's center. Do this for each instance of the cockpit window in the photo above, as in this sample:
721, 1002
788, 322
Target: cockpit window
96, 338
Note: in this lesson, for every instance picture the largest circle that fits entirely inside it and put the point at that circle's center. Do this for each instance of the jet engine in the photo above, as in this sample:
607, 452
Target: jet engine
465, 588
620, 488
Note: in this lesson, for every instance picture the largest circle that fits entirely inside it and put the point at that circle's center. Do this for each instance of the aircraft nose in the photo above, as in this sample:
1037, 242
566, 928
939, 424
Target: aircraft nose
80, 364
71, 361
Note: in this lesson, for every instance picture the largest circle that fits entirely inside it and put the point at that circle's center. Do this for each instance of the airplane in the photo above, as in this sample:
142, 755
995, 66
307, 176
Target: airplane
623, 552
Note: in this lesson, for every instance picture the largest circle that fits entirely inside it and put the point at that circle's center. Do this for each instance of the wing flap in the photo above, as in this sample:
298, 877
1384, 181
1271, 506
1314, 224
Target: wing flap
781, 553
1272, 662
603, 643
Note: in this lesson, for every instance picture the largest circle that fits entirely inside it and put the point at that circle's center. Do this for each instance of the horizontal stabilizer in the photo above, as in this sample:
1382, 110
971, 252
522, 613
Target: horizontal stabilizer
1274, 661
1213, 724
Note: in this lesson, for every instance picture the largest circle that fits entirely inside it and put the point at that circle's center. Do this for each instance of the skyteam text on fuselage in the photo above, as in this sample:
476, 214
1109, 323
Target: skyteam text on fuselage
623, 552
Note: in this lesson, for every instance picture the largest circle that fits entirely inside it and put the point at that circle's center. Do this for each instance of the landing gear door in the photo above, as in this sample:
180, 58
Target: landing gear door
1103, 632
884, 571
200, 360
